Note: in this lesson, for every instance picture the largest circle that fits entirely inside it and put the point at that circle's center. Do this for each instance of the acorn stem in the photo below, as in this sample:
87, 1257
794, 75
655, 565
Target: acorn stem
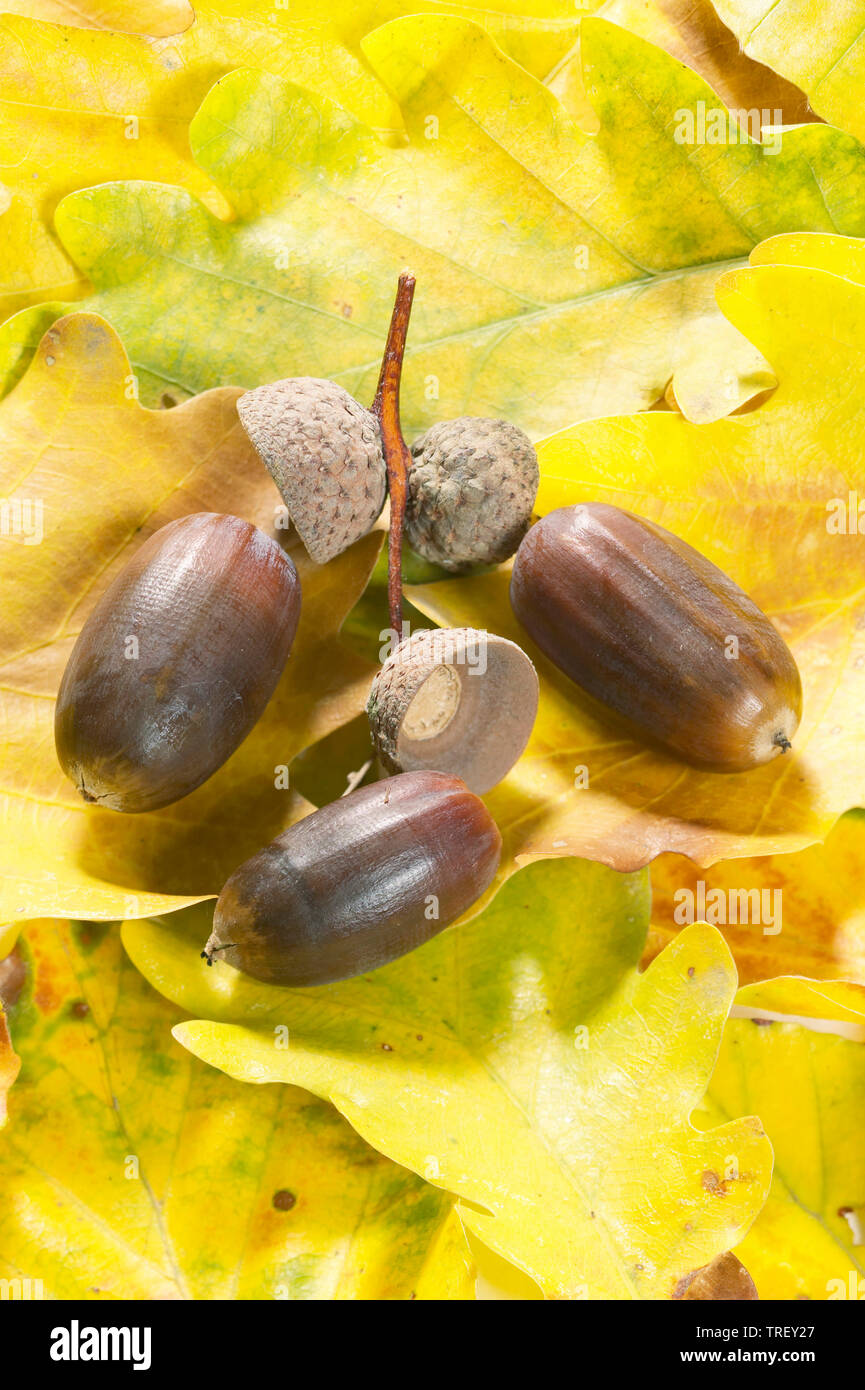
209, 954
385, 408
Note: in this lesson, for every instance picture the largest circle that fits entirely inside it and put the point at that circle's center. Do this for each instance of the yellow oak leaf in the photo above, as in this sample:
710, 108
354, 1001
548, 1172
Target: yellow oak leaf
820, 47
82, 106
129, 1170
809, 1089
799, 913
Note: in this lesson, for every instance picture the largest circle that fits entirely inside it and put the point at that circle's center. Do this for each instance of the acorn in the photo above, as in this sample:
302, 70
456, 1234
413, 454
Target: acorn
650, 627
176, 663
324, 452
358, 883
457, 700
471, 489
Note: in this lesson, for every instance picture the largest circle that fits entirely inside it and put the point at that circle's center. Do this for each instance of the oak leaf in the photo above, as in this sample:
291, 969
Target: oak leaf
809, 1089
563, 274
809, 917
130, 1171
819, 47
691, 31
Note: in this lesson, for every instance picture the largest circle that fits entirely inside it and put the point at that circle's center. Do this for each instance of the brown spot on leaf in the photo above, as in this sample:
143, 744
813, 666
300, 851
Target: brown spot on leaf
712, 1183
49, 988
283, 1200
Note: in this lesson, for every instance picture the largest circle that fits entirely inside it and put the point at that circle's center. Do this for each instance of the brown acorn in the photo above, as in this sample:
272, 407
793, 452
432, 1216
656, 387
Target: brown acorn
358, 883
654, 630
176, 663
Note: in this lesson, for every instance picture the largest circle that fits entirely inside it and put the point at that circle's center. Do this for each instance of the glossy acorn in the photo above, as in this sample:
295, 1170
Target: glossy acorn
358, 883
654, 630
176, 663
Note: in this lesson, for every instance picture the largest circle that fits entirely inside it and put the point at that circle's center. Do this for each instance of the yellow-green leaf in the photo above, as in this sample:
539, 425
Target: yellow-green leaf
130, 1171
522, 1063
759, 495
809, 1090
691, 31
820, 47
81, 107
87, 474
553, 284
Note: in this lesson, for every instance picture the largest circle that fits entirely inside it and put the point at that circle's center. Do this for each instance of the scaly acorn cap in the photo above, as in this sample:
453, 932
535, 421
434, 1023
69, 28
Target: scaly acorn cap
454, 700
471, 490
324, 453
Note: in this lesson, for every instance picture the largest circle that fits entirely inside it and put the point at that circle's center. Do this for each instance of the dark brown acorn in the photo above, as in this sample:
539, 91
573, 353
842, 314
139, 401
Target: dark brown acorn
176, 663
654, 630
358, 883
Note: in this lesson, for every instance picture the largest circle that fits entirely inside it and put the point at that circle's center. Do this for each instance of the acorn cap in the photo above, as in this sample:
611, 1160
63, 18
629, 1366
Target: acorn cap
471, 489
454, 700
324, 453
